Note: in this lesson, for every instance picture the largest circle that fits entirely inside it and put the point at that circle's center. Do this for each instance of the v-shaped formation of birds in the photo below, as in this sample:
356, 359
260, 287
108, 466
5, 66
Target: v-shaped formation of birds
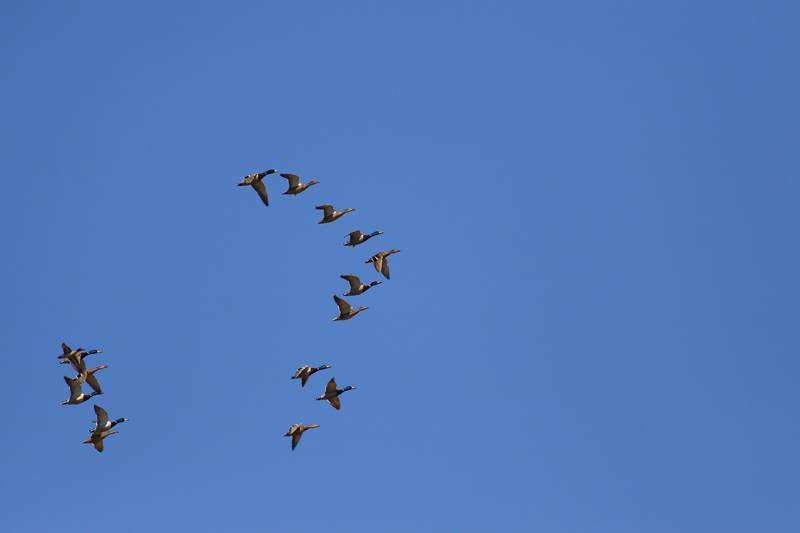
380, 261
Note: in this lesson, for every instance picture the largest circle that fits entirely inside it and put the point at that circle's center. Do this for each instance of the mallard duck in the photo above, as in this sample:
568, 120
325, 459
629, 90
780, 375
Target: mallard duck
356, 287
97, 439
76, 394
103, 423
380, 262
304, 372
346, 311
68, 352
329, 215
332, 394
258, 185
295, 187
75, 357
296, 431
356, 237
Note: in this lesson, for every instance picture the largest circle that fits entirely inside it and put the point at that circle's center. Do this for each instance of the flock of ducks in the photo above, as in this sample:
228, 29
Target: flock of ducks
346, 311
103, 425
77, 396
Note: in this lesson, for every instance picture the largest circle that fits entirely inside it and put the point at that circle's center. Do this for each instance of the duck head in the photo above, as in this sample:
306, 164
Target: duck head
323, 367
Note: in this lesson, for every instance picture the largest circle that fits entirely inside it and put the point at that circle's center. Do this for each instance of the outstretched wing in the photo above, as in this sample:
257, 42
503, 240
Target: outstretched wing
331, 386
261, 189
296, 438
344, 307
294, 180
355, 283
74, 387
102, 416
327, 209
98, 444
335, 402
66, 349
385, 267
93, 383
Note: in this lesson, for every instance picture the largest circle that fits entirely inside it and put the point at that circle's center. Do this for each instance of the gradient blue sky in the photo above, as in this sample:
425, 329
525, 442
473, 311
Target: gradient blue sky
592, 326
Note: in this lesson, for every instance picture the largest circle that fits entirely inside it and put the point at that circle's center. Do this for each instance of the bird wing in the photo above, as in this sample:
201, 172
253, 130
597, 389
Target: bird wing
385, 268
102, 416
327, 209
294, 180
335, 402
65, 348
74, 388
344, 307
300, 371
93, 383
305, 378
296, 438
98, 444
355, 235
261, 189
355, 283
331, 386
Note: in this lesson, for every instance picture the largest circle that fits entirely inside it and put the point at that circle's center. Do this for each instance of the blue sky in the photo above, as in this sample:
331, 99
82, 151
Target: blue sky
592, 325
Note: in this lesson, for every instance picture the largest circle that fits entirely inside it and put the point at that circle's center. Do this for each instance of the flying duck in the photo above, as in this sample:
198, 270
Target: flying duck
380, 262
356, 238
304, 372
295, 187
76, 395
255, 181
356, 287
332, 394
103, 423
97, 439
346, 311
296, 431
329, 215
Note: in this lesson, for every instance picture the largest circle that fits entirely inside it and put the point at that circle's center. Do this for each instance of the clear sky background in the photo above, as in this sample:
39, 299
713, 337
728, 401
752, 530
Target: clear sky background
593, 324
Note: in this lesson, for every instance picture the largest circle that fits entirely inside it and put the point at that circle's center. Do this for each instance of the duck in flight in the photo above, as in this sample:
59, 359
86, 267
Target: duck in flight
255, 181
332, 394
346, 311
380, 262
356, 237
304, 372
329, 214
296, 431
295, 187
356, 287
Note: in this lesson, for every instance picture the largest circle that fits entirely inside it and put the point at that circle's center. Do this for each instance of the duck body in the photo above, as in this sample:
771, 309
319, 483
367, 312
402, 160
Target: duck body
332, 394
380, 262
76, 394
304, 372
103, 423
356, 237
97, 439
329, 214
356, 287
254, 180
295, 187
346, 311
296, 431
